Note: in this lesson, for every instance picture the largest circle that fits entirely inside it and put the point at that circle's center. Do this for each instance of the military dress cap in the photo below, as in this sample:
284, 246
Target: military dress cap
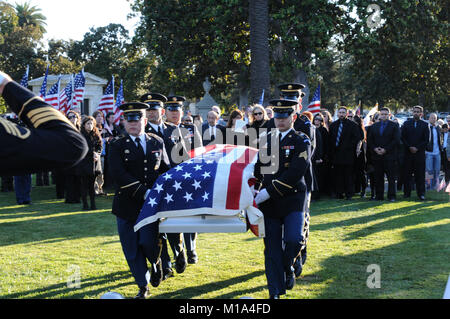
154, 100
292, 91
133, 111
282, 108
175, 103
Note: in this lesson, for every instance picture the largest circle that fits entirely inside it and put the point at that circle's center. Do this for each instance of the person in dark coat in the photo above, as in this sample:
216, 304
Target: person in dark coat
234, 137
344, 138
258, 127
322, 162
72, 177
383, 143
282, 197
361, 160
415, 136
89, 166
213, 133
136, 160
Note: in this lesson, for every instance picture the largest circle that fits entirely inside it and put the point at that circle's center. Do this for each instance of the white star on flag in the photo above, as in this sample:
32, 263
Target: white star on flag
206, 175
159, 188
167, 177
188, 197
205, 197
198, 168
169, 198
179, 168
177, 186
187, 175
196, 185
152, 202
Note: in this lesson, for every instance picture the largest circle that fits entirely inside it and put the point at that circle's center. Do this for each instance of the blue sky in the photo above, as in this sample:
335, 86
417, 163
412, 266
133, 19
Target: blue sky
69, 19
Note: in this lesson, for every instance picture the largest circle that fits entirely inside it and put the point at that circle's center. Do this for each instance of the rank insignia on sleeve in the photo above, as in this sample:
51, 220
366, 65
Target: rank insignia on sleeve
15, 130
304, 155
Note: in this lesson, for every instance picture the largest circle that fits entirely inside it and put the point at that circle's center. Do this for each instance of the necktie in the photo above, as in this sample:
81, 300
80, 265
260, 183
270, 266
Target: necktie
338, 139
160, 133
139, 145
432, 138
382, 128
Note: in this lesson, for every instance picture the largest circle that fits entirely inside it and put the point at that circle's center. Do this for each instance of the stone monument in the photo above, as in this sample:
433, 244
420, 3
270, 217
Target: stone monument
204, 106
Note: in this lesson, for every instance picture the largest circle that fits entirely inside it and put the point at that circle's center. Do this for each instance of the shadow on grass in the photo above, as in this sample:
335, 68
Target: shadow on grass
62, 290
415, 268
366, 219
192, 292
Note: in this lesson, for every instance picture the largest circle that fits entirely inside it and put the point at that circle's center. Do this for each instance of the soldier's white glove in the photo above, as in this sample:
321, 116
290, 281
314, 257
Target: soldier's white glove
262, 196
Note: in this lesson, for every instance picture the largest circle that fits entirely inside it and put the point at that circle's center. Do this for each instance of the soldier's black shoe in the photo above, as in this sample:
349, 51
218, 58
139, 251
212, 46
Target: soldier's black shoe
143, 293
304, 254
156, 274
167, 273
298, 267
275, 297
180, 262
290, 279
421, 197
192, 257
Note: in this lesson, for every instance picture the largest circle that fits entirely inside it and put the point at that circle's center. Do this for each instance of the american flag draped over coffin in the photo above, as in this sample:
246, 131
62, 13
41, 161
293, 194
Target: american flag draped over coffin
217, 180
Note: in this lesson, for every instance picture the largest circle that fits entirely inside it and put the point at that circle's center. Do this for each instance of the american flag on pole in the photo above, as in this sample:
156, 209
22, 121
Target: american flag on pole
43, 90
107, 102
52, 96
314, 106
218, 181
24, 81
79, 88
119, 101
65, 97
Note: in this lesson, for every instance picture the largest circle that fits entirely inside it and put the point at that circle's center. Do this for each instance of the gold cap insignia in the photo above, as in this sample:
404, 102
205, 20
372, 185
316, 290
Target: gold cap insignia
149, 97
290, 87
174, 99
279, 104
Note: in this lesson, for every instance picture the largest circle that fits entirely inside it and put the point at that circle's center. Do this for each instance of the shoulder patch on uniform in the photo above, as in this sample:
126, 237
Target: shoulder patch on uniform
14, 129
304, 155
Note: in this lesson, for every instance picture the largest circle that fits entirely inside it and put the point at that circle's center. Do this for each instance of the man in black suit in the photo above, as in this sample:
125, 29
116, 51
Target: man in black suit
383, 141
136, 160
213, 133
415, 137
172, 141
343, 141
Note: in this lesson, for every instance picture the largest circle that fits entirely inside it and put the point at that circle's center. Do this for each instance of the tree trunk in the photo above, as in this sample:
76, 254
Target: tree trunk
301, 77
259, 47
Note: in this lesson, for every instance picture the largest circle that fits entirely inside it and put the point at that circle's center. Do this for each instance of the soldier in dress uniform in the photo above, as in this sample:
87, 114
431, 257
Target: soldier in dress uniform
293, 92
172, 139
192, 139
47, 141
282, 196
136, 160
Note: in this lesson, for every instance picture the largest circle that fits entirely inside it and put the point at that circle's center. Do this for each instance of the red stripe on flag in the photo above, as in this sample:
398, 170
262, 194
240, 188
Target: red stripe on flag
236, 176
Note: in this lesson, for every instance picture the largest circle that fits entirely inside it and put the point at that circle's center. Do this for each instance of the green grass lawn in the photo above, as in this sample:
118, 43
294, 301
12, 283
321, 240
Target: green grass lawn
46, 245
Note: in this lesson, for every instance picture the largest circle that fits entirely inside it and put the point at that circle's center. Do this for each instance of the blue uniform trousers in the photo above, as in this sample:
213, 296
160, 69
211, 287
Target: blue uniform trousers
176, 243
283, 241
138, 247
22, 185
190, 241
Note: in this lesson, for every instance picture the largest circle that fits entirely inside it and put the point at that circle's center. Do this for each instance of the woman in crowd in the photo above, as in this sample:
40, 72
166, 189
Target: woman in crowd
259, 122
88, 166
72, 175
327, 118
110, 131
239, 137
361, 160
99, 179
322, 165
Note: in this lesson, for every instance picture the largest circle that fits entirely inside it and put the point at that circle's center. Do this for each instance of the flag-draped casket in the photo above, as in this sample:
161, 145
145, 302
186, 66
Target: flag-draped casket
217, 180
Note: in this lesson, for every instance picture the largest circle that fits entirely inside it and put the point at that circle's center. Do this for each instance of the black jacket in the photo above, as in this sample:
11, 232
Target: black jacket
87, 165
284, 176
134, 173
219, 138
390, 140
345, 152
415, 136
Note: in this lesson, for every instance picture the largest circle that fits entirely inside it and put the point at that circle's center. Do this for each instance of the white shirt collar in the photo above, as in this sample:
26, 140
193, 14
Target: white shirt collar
155, 126
283, 134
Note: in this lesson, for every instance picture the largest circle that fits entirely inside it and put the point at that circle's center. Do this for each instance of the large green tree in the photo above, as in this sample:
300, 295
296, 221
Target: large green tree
405, 58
